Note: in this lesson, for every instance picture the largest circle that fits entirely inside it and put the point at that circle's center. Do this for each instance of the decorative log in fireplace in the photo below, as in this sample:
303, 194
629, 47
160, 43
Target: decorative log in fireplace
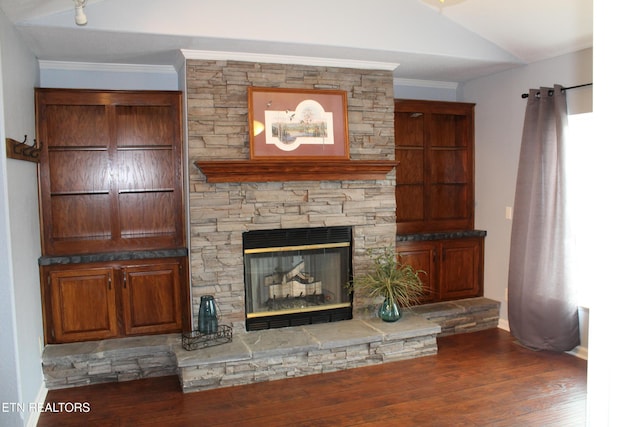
297, 276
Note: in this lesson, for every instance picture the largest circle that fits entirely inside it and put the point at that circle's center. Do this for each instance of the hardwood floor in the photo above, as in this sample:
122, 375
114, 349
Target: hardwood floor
477, 379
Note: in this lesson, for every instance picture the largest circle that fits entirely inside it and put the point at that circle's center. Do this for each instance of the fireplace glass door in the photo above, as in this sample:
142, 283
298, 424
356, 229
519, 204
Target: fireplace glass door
298, 276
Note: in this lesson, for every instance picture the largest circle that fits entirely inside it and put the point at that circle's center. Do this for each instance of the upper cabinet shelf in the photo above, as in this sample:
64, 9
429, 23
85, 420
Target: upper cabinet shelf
110, 170
294, 170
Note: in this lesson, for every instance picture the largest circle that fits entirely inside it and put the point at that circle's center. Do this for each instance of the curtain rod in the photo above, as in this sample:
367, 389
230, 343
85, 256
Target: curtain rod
526, 95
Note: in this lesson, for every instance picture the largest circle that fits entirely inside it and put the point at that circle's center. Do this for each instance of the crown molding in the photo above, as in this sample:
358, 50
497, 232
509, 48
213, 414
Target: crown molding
287, 59
106, 67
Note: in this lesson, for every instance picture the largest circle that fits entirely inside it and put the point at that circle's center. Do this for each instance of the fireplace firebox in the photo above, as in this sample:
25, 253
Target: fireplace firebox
297, 276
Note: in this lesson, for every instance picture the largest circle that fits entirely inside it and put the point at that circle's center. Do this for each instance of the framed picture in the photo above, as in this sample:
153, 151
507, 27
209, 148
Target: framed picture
298, 124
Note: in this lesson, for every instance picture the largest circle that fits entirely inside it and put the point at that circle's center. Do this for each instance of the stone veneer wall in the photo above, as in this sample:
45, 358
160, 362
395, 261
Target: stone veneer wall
217, 120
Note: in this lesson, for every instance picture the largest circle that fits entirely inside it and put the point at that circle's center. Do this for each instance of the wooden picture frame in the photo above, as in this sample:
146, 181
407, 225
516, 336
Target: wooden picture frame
298, 124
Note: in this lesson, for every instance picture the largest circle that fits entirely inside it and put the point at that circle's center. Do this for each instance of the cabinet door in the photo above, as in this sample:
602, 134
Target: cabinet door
83, 305
421, 256
461, 268
151, 298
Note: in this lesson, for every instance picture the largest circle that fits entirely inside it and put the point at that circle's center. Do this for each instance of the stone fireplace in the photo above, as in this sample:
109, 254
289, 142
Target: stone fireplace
221, 212
296, 276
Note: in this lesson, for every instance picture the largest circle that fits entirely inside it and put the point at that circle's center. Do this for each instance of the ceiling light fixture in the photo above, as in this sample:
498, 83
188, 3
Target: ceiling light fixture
81, 18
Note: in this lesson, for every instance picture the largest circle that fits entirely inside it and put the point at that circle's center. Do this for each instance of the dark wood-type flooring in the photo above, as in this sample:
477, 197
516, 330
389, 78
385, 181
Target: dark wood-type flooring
477, 379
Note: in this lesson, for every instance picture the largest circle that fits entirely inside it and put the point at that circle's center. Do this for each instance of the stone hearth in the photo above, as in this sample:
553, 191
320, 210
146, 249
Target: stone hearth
267, 355
304, 350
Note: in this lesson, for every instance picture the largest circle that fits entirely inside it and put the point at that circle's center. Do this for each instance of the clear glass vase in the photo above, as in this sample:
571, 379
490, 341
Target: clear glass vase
389, 312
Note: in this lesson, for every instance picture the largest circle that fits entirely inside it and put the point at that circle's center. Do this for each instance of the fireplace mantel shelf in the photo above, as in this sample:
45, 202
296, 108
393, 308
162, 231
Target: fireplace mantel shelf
294, 170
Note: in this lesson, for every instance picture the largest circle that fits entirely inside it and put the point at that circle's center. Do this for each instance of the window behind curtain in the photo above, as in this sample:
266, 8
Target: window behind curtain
584, 167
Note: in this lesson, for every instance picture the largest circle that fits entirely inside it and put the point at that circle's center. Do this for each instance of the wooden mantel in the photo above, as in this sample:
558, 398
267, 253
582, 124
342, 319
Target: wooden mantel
294, 170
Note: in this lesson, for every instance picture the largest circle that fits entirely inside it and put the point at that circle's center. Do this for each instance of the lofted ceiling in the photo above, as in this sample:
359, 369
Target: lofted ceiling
461, 41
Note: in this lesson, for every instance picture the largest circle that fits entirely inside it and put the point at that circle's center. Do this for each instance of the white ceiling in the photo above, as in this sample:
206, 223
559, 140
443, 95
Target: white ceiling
465, 39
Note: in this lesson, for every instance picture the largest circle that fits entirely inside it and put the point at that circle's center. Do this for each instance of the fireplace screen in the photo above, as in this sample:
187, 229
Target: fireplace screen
297, 276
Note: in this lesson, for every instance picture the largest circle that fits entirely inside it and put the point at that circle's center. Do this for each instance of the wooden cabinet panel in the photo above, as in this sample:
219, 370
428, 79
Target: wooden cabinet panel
449, 167
454, 266
110, 178
411, 126
145, 170
114, 299
151, 298
142, 125
422, 257
70, 124
83, 304
437, 138
147, 215
414, 171
452, 203
111, 170
435, 194
89, 174
449, 128
410, 207
461, 269
70, 219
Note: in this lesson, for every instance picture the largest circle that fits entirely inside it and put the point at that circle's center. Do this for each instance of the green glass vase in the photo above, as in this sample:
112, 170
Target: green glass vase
207, 315
389, 312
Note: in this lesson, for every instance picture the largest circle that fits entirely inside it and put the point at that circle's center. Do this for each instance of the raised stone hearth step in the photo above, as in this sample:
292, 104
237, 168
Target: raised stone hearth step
303, 350
461, 316
122, 359
267, 355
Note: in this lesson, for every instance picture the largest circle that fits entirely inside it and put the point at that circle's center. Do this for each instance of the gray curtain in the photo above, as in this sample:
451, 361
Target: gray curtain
542, 312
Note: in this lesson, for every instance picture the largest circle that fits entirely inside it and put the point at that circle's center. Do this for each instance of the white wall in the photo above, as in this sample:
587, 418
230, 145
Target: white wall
499, 120
82, 75
21, 319
425, 90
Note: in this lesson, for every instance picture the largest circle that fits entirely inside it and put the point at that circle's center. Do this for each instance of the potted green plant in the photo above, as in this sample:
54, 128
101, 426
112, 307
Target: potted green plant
398, 283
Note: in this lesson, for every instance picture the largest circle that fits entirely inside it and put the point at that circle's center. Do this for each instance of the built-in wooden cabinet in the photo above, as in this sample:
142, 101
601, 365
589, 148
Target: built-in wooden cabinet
90, 301
435, 197
111, 209
453, 266
435, 174
110, 170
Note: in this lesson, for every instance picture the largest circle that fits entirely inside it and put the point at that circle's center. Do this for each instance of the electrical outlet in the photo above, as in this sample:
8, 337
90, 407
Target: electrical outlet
506, 294
508, 212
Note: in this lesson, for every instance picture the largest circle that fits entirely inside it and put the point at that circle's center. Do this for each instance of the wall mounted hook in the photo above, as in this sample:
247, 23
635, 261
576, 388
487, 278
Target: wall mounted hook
23, 151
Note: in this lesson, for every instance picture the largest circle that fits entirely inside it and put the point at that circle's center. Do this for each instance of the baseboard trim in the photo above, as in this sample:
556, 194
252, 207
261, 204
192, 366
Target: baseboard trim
34, 416
579, 352
504, 324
